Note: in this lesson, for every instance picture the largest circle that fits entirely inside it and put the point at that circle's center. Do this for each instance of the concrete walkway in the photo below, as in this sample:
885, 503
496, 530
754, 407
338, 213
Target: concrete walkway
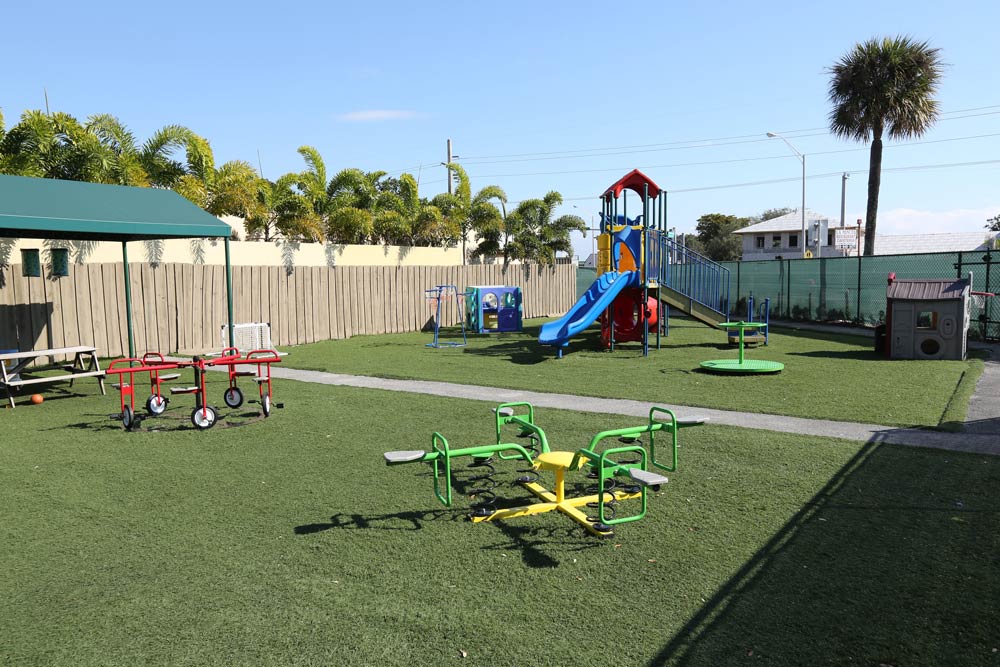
986, 441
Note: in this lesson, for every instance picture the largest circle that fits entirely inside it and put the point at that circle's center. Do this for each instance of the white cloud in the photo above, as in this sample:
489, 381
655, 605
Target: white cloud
913, 221
376, 115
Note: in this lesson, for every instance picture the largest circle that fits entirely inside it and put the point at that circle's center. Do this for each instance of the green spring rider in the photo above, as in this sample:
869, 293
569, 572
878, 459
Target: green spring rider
639, 471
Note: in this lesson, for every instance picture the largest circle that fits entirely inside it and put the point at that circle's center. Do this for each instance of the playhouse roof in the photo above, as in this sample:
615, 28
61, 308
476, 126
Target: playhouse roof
634, 181
927, 290
46, 208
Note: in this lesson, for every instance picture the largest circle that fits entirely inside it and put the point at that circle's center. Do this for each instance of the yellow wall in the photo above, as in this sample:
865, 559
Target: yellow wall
246, 253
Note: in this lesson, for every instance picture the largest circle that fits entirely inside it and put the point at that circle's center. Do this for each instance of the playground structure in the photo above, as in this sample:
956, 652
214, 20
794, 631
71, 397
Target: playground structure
493, 308
605, 497
754, 335
641, 274
436, 297
203, 416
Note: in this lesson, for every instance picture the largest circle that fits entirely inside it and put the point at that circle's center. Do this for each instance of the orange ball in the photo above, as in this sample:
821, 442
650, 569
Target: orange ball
36, 398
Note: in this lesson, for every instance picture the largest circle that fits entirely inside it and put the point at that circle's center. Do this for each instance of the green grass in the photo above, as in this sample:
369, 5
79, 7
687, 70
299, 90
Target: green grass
288, 542
826, 376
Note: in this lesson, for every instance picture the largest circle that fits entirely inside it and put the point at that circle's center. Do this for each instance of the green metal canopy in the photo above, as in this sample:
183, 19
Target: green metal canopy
45, 208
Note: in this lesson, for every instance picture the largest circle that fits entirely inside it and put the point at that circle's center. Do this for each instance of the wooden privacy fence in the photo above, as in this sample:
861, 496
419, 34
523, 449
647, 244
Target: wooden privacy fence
181, 307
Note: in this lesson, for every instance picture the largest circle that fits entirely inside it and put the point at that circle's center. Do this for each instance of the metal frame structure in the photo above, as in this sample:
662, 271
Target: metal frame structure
45, 208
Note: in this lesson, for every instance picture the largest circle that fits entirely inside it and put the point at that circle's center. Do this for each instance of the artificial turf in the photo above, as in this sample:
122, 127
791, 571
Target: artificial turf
826, 376
286, 541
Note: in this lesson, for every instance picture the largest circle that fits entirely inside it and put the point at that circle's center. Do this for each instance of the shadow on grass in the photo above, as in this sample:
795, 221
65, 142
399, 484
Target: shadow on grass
857, 355
531, 541
413, 520
893, 562
518, 352
858, 337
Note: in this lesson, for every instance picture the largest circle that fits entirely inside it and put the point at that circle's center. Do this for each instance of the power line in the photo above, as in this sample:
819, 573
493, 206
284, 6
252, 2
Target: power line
796, 179
675, 145
733, 160
709, 141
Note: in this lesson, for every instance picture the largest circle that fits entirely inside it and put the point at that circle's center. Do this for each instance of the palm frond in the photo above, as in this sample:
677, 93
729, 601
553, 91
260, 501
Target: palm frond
112, 132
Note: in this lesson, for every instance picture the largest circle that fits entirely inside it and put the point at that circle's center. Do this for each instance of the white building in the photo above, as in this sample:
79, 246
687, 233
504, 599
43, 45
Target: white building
779, 237
782, 237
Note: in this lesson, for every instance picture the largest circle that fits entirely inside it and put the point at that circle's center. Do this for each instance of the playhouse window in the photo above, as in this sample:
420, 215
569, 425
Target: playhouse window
927, 319
760, 241
793, 240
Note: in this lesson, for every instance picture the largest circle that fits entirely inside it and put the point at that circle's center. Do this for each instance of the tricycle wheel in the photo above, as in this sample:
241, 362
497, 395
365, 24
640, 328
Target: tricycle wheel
233, 397
127, 418
265, 404
204, 418
155, 405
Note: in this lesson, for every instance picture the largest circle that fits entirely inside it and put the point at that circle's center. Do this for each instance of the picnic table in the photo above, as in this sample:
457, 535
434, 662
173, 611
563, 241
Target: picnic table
85, 364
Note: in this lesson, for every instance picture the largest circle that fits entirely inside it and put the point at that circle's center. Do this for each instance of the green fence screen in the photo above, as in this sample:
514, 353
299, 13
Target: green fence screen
852, 289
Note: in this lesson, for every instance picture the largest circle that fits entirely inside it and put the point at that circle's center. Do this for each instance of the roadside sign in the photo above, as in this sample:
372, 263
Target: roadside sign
846, 238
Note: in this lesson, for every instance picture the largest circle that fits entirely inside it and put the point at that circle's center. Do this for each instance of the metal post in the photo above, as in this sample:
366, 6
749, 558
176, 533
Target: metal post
229, 296
804, 206
857, 306
788, 290
128, 301
801, 157
644, 239
843, 197
448, 169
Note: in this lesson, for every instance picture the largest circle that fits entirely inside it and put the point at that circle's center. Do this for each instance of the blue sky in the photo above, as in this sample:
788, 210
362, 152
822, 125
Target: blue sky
536, 96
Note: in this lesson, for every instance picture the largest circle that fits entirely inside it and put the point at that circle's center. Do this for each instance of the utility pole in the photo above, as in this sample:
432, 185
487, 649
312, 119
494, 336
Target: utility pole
449, 168
843, 196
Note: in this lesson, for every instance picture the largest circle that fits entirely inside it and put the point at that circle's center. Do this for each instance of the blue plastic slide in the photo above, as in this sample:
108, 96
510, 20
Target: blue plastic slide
585, 311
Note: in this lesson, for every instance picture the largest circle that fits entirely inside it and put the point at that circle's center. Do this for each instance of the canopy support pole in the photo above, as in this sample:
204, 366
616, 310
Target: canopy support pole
128, 301
229, 295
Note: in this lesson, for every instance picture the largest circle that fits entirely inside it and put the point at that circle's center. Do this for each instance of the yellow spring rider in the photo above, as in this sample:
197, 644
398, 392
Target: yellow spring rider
631, 460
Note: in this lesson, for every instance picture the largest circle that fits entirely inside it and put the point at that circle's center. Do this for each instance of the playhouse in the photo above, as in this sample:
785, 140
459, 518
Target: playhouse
493, 308
927, 319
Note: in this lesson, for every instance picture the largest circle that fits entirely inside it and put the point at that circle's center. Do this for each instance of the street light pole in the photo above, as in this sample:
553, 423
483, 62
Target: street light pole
801, 157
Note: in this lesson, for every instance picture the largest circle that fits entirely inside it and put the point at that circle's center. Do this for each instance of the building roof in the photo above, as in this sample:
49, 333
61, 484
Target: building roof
46, 208
790, 222
909, 244
927, 290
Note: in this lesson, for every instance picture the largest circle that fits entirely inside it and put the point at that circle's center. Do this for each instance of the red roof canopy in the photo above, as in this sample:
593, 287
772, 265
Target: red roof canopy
634, 180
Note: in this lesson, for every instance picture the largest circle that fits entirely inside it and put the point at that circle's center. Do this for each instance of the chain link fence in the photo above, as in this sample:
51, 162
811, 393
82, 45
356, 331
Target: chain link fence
852, 289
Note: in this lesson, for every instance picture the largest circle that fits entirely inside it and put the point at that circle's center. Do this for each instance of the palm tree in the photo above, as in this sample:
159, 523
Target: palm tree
359, 209
540, 236
45, 146
233, 189
102, 150
883, 86
471, 213
284, 212
127, 163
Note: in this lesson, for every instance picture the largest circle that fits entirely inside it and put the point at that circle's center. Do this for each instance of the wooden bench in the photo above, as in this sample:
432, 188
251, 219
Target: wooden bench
85, 364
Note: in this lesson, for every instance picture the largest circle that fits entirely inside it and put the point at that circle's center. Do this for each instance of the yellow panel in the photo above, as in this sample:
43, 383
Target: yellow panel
603, 254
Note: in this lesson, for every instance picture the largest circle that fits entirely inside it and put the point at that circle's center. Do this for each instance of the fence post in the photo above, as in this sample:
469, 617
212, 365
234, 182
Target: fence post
858, 297
737, 282
788, 290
